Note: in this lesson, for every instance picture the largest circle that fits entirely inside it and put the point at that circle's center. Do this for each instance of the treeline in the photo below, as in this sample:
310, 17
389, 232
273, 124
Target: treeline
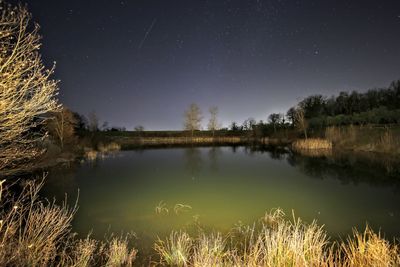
376, 106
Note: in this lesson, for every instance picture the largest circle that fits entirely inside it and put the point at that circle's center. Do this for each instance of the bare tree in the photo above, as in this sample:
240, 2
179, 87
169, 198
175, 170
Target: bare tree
300, 121
248, 124
93, 121
234, 126
274, 119
291, 115
139, 129
62, 126
27, 91
213, 122
193, 118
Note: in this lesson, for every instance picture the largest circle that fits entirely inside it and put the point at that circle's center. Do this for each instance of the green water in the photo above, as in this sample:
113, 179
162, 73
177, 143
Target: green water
225, 186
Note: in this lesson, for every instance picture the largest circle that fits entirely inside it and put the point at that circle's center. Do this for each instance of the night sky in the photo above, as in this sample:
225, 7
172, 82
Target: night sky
143, 62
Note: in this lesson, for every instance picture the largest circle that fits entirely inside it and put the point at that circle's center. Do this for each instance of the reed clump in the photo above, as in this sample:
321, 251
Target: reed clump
118, 252
369, 249
34, 232
175, 250
108, 147
102, 151
387, 142
91, 155
277, 242
312, 144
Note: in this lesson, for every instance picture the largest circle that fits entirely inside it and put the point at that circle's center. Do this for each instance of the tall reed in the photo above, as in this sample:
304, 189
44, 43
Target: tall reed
277, 242
34, 232
312, 144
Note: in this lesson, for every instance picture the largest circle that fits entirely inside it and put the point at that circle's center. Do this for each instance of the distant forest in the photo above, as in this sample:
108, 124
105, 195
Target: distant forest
376, 106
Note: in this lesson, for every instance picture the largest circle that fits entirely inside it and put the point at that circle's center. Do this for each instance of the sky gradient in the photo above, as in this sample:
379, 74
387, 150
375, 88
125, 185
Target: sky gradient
143, 62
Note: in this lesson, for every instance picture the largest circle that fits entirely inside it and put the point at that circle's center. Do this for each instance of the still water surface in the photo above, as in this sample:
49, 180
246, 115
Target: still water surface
223, 186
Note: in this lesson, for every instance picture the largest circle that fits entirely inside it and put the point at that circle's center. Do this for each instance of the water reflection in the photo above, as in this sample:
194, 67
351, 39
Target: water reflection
213, 156
193, 160
126, 191
373, 169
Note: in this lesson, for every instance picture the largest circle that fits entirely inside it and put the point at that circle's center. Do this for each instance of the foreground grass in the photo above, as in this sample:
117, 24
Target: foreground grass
38, 233
277, 242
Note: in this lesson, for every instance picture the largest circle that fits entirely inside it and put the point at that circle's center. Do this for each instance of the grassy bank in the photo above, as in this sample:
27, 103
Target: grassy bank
312, 144
366, 138
323, 141
154, 141
34, 232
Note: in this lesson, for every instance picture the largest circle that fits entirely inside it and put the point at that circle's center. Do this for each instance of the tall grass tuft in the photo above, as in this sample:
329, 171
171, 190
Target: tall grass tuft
312, 144
284, 243
386, 142
119, 254
108, 147
84, 252
368, 249
210, 250
175, 250
31, 232
277, 242
34, 232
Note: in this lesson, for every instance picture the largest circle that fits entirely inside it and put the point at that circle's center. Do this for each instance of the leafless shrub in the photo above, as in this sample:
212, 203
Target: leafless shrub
26, 90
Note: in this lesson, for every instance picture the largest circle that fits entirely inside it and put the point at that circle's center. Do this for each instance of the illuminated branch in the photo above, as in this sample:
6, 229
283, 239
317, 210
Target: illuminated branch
26, 90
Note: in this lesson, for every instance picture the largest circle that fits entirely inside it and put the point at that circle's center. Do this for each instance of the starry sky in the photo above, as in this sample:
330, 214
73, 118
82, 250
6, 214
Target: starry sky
144, 61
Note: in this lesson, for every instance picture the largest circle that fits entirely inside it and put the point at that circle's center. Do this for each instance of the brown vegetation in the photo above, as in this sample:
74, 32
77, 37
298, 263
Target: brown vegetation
38, 233
312, 144
300, 121
62, 127
277, 242
365, 138
26, 90
192, 118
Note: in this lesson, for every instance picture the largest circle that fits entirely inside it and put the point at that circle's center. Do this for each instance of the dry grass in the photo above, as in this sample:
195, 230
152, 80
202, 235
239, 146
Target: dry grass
91, 155
118, 252
108, 147
365, 138
281, 242
277, 242
175, 250
85, 251
38, 233
102, 151
161, 208
34, 232
333, 134
368, 249
178, 208
312, 144
387, 142
210, 250
187, 140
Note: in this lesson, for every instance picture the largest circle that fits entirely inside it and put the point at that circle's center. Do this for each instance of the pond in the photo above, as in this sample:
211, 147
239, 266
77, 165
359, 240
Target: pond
153, 191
